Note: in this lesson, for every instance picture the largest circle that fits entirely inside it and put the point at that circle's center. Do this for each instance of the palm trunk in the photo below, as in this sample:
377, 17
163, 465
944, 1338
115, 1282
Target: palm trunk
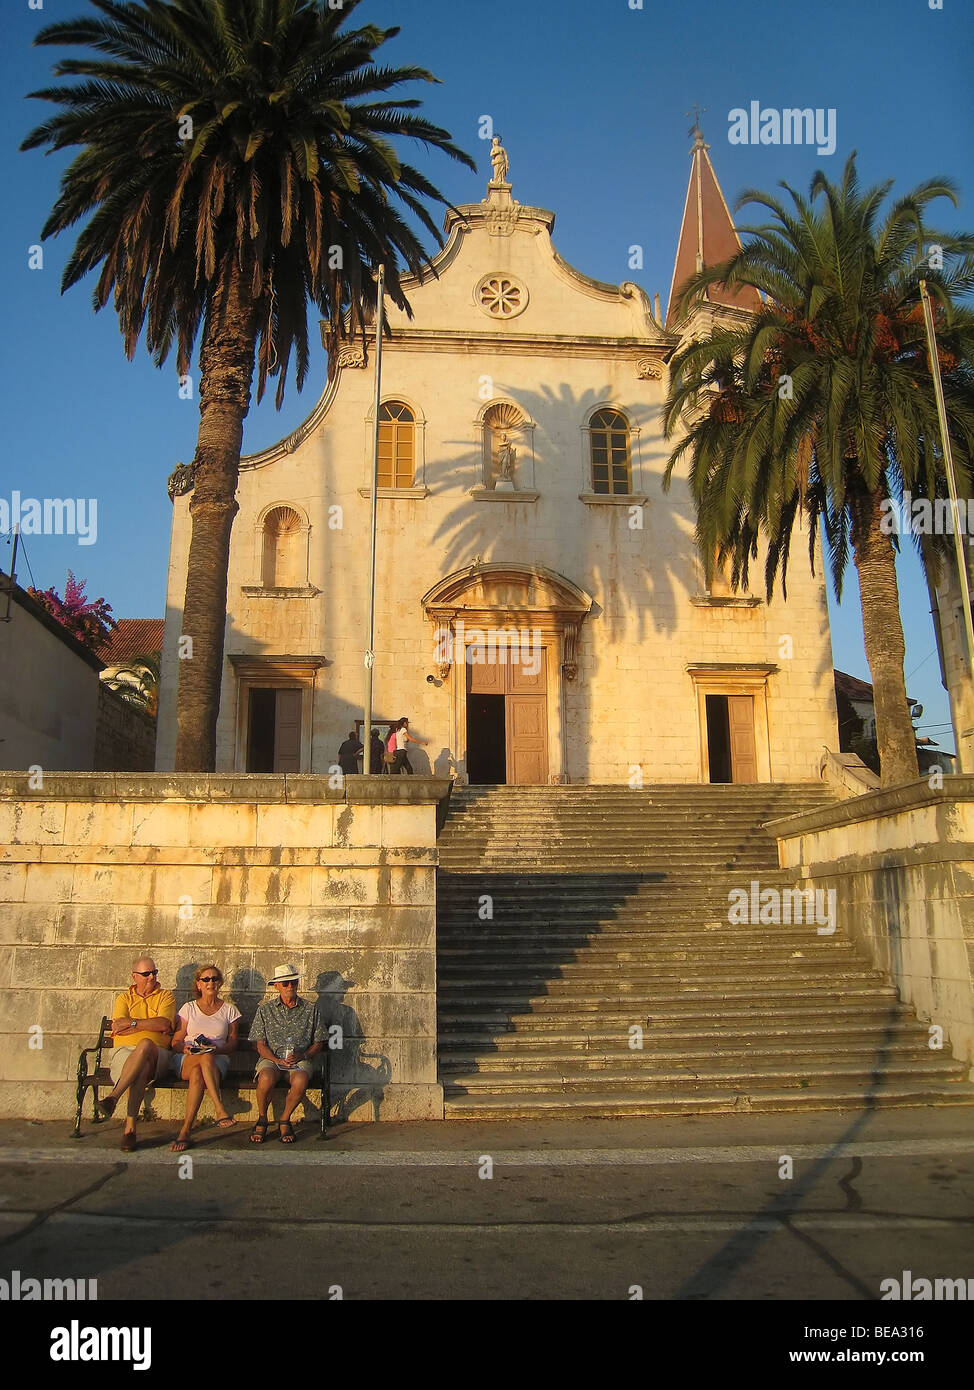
226, 371
885, 648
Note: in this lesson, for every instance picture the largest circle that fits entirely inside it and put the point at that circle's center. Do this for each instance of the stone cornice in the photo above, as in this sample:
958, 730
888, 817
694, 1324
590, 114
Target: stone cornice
613, 499
524, 344
258, 666
487, 494
215, 786
724, 601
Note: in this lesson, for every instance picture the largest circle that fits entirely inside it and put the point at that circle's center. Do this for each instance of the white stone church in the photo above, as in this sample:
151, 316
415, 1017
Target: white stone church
541, 615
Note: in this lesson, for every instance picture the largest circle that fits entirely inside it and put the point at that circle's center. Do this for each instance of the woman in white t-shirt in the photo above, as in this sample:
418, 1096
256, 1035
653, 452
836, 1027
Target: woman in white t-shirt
402, 737
205, 1036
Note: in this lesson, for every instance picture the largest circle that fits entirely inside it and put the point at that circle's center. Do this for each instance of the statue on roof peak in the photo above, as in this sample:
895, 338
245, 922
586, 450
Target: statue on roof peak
498, 158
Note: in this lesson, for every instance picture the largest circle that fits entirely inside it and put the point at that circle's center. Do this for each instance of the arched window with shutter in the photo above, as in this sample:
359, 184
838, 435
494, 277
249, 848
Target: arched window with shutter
397, 445
611, 453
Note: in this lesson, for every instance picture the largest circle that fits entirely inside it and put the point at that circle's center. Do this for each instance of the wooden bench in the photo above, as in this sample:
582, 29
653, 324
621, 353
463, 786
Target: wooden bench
241, 1079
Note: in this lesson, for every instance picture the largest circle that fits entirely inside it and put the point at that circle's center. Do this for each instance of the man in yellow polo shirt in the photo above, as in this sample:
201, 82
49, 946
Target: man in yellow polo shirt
143, 1022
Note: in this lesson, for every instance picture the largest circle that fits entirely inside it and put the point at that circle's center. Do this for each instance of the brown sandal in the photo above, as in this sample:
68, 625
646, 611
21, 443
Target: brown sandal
129, 1142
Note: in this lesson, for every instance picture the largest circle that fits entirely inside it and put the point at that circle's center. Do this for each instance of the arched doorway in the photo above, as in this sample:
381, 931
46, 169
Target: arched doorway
505, 638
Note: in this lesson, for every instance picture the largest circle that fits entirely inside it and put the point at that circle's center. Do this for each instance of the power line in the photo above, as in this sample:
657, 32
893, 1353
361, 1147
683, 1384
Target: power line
922, 663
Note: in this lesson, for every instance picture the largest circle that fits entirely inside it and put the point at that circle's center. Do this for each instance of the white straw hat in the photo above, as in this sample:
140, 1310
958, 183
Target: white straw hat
283, 973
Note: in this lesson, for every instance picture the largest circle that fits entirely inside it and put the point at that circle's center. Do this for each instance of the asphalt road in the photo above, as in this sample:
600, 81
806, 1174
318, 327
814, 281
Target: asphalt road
675, 1209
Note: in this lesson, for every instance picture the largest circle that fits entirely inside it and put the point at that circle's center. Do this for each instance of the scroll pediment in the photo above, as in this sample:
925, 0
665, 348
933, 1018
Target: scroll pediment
508, 588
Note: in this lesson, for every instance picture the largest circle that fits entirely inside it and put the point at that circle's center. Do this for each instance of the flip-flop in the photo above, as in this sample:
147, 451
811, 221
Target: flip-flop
259, 1132
287, 1138
227, 1122
178, 1145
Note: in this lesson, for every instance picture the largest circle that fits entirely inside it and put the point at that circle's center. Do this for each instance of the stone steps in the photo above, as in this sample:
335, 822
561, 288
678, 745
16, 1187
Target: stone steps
688, 992
623, 1060
597, 1036
748, 1077
685, 1018
609, 909
598, 1104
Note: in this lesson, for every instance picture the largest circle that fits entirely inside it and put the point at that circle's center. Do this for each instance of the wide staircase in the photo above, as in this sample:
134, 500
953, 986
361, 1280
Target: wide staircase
587, 967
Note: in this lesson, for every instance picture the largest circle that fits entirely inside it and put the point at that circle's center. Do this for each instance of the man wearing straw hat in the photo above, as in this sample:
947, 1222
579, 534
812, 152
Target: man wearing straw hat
288, 1033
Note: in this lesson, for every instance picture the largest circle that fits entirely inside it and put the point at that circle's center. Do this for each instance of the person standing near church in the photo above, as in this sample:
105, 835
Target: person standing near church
403, 736
349, 753
376, 752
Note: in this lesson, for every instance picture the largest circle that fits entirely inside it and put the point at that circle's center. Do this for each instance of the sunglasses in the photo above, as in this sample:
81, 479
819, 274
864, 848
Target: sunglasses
145, 973
211, 980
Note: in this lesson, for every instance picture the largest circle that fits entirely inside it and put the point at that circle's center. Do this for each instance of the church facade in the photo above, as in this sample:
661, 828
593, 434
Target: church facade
541, 614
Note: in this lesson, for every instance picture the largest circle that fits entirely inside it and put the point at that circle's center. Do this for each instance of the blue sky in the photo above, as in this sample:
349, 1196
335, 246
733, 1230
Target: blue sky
591, 99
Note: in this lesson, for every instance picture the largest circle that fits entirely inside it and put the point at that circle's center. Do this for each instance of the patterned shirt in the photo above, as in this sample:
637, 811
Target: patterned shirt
280, 1027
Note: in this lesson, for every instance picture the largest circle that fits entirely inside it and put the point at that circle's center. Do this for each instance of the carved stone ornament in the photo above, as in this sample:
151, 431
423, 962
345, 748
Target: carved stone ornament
647, 368
501, 296
351, 357
501, 221
181, 480
570, 664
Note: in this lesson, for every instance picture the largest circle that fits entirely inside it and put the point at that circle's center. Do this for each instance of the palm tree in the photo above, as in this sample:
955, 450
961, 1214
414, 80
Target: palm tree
820, 408
235, 163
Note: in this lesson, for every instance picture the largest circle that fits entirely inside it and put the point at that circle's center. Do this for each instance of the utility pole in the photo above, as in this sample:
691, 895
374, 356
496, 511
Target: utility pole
370, 653
959, 531
9, 585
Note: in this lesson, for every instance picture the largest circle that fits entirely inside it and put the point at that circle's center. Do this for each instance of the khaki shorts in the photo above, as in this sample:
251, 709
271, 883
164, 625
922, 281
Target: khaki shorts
120, 1056
308, 1067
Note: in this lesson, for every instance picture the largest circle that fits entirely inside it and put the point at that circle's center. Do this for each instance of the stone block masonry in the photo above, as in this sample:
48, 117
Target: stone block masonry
247, 871
901, 863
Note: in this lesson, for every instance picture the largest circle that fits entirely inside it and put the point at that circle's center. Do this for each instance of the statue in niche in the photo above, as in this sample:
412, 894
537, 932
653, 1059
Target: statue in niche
506, 461
498, 158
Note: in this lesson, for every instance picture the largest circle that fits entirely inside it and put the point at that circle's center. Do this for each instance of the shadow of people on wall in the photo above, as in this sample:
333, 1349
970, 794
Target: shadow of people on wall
355, 1081
444, 764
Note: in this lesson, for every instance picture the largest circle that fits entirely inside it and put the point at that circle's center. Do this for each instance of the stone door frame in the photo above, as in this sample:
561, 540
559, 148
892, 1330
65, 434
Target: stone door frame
749, 680
485, 598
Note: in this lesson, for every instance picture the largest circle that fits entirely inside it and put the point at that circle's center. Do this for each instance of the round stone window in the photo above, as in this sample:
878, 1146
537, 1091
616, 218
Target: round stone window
501, 296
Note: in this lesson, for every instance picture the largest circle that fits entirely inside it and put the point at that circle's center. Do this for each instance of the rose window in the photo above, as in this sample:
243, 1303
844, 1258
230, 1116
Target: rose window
501, 296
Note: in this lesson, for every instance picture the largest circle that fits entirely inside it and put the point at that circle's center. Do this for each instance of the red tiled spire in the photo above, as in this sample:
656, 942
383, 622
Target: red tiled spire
707, 236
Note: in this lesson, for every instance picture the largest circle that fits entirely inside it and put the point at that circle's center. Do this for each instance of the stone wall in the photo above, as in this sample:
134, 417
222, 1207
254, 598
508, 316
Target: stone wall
48, 691
125, 737
902, 864
245, 871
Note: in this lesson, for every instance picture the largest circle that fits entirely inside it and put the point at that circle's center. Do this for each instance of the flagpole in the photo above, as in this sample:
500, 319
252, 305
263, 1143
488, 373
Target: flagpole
951, 476
370, 653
